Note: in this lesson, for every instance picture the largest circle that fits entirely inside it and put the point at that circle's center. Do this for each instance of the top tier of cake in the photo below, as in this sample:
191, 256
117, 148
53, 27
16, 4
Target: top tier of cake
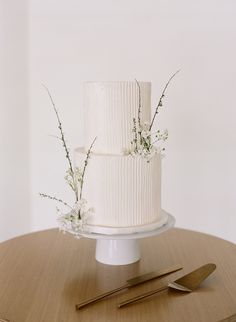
109, 111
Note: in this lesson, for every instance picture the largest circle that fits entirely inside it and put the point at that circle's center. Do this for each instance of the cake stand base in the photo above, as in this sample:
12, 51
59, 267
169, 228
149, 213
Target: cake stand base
123, 249
117, 251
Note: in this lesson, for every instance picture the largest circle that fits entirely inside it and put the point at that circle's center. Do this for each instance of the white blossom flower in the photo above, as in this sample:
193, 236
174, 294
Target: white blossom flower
165, 135
145, 134
162, 135
75, 221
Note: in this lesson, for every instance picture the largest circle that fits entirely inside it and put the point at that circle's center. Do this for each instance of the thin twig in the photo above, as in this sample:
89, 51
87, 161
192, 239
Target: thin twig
135, 134
139, 104
160, 100
61, 131
85, 166
54, 198
63, 142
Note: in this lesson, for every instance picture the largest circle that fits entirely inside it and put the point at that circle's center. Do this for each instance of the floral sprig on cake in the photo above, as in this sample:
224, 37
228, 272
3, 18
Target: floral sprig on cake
76, 219
144, 140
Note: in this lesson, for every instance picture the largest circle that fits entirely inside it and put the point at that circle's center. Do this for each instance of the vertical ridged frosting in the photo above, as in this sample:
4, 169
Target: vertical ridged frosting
109, 111
125, 191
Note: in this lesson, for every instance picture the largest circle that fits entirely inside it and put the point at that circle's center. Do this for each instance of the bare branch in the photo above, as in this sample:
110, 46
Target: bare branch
161, 98
56, 199
61, 130
85, 166
139, 103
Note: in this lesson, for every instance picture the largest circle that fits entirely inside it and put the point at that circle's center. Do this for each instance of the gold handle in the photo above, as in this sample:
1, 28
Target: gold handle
99, 297
131, 282
231, 318
141, 296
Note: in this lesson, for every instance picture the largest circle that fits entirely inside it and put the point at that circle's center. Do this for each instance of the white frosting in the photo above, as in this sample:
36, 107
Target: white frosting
125, 191
109, 111
128, 230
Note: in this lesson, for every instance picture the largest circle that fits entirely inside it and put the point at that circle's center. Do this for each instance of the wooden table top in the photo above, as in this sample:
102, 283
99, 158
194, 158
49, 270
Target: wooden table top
44, 274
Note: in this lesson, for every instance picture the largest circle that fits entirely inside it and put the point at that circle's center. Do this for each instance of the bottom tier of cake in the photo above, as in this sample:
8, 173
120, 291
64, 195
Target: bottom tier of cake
124, 191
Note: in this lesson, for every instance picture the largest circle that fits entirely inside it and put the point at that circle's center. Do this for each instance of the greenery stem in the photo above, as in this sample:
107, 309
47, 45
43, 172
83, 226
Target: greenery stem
56, 199
85, 166
161, 98
135, 134
63, 139
139, 104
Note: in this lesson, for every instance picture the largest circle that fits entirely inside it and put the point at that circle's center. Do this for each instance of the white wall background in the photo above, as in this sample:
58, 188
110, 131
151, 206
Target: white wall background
74, 41
14, 120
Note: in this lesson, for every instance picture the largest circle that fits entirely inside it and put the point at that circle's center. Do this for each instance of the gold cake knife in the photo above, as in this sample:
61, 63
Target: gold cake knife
132, 282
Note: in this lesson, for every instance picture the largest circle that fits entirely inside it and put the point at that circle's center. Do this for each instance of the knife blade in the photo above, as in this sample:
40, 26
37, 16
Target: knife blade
132, 282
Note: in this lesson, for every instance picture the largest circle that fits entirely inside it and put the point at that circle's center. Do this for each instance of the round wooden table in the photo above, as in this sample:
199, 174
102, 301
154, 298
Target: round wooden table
44, 274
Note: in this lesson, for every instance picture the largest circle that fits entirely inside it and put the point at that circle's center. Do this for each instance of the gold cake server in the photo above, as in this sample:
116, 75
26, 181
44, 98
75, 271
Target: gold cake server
186, 283
132, 282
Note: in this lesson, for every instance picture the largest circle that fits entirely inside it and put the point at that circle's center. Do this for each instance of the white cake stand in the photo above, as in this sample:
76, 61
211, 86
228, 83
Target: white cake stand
123, 249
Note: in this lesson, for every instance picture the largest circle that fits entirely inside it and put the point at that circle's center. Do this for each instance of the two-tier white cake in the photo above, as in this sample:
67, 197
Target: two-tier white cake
124, 190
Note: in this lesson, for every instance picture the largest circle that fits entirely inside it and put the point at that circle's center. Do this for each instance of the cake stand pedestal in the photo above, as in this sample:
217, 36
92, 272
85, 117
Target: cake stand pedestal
117, 251
123, 249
